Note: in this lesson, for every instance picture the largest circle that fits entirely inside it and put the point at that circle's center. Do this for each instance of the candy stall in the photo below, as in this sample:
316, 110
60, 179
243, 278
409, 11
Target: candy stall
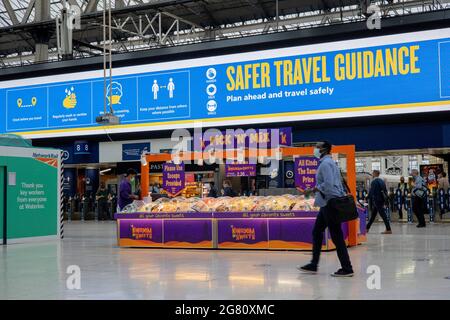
282, 222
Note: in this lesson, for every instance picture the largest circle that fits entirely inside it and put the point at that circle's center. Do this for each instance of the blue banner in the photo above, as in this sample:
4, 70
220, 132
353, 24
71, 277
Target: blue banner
76, 153
381, 79
133, 151
70, 182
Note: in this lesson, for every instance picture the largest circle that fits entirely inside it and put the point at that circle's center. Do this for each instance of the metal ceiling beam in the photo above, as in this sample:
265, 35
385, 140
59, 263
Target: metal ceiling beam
91, 6
41, 10
400, 24
209, 13
89, 45
174, 16
302, 21
11, 13
28, 11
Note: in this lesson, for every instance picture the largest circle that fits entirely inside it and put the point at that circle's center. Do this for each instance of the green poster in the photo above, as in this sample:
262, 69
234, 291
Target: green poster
2, 201
32, 195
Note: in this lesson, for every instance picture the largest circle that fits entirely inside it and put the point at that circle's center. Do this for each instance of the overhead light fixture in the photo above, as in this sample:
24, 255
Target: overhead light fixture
101, 172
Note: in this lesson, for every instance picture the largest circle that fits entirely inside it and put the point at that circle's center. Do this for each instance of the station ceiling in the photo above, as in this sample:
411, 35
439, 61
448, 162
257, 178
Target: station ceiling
24, 23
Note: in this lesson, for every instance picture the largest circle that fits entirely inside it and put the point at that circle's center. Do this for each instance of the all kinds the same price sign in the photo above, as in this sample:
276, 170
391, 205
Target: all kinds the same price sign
305, 172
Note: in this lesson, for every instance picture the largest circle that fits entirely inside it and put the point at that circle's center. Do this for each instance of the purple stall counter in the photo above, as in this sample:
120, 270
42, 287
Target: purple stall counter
362, 230
216, 215
165, 233
282, 230
188, 233
140, 233
242, 234
164, 215
292, 234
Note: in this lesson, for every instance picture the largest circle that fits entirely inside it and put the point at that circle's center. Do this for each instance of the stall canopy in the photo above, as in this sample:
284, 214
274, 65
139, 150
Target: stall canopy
13, 140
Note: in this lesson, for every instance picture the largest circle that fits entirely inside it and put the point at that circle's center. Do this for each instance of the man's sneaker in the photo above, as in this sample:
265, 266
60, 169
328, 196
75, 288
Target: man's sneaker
309, 268
342, 273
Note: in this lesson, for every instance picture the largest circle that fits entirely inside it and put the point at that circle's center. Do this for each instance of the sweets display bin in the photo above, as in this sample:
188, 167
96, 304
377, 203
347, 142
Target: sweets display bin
290, 230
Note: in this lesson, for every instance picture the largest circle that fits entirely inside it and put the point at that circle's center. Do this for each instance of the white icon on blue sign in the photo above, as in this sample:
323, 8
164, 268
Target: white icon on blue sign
211, 105
155, 89
211, 89
211, 73
171, 88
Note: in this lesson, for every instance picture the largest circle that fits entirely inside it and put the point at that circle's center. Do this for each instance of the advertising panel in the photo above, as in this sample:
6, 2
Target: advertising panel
430, 174
133, 151
380, 75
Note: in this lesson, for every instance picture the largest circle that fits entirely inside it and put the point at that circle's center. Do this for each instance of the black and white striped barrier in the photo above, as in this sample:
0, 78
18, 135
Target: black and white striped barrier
61, 199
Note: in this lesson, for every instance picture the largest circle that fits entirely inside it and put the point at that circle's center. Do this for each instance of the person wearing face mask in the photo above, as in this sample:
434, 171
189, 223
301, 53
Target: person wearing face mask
328, 186
228, 190
126, 195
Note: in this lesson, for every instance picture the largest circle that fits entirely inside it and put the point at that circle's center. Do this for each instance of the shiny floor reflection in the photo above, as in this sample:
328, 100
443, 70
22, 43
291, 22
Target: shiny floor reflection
414, 264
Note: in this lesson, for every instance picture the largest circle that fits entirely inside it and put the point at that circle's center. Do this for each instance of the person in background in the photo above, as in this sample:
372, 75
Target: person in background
155, 188
329, 186
227, 189
443, 181
126, 195
444, 185
402, 186
252, 187
102, 201
419, 195
377, 202
212, 190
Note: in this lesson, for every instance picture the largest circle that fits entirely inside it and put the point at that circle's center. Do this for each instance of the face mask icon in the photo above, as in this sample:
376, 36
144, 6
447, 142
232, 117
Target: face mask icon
19, 102
33, 101
114, 92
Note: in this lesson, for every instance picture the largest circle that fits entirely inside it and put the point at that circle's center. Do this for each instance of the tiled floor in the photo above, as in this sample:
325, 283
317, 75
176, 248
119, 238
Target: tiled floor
414, 264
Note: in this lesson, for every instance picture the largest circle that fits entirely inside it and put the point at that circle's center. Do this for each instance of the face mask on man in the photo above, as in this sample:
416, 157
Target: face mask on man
317, 153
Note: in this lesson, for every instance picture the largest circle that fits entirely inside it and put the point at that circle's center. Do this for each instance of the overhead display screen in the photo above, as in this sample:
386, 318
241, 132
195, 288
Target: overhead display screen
373, 76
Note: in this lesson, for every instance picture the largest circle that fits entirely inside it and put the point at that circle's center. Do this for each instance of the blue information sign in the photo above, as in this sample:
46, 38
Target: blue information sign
316, 81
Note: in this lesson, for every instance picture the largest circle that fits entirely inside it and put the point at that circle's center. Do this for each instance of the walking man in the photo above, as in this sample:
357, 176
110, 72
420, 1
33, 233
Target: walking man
377, 201
419, 197
328, 186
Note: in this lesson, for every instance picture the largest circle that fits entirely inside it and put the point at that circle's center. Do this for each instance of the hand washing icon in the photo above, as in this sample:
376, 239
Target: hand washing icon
70, 101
